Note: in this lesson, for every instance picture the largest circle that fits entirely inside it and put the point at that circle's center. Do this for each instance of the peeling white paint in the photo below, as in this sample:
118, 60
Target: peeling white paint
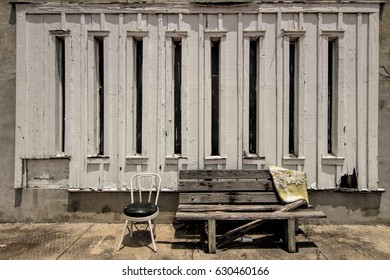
356, 23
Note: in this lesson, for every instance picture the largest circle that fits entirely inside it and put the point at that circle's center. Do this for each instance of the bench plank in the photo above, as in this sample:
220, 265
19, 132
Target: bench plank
224, 174
228, 198
219, 215
227, 208
212, 186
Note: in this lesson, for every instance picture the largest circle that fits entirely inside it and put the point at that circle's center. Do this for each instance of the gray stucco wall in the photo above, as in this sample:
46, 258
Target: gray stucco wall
7, 109
384, 108
59, 205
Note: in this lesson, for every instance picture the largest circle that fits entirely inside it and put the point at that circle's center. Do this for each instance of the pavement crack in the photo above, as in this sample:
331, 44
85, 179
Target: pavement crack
318, 251
77, 239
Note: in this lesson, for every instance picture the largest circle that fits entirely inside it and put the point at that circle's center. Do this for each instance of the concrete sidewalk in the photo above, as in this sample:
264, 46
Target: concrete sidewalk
91, 241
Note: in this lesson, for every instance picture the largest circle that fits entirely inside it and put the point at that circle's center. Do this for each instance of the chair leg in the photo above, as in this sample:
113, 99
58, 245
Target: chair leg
123, 235
154, 228
131, 229
152, 235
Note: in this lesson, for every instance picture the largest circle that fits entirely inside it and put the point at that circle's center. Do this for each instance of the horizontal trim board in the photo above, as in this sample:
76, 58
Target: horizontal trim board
333, 33
254, 33
186, 8
60, 32
227, 208
98, 33
217, 215
224, 174
195, 186
294, 33
176, 33
229, 198
137, 33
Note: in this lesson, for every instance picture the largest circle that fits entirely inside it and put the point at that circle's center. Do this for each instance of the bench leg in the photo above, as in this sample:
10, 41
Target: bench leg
212, 238
290, 236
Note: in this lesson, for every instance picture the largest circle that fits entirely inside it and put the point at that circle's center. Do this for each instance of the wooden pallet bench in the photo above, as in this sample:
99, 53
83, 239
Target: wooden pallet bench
239, 195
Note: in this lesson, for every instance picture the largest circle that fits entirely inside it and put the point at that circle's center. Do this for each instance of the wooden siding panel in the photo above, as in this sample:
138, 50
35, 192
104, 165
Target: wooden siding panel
356, 106
350, 117
35, 87
361, 98
373, 76
271, 87
310, 112
229, 109
193, 89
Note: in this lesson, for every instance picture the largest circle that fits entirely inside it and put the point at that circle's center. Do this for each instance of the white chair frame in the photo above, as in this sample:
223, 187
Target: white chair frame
154, 187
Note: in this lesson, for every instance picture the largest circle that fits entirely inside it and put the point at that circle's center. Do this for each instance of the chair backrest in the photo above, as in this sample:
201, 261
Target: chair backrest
145, 182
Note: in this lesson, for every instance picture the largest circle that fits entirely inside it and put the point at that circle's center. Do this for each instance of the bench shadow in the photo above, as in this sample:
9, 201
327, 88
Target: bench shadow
269, 235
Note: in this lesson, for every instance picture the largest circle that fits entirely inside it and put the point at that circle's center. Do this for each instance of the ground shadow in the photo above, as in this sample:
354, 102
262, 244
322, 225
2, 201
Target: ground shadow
269, 235
140, 238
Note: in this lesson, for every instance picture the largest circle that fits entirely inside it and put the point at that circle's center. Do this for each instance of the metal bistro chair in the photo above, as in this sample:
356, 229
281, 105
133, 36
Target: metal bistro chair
140, 211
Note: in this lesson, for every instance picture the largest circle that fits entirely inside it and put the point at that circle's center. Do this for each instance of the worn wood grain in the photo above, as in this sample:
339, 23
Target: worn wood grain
224, 174
241, 216
227, 208
194, 186
226, 197
354, 24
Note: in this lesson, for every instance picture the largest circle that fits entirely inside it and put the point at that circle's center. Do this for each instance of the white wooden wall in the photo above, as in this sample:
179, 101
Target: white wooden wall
355, 25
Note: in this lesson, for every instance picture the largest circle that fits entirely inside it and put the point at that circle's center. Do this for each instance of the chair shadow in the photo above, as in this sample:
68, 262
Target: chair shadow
140, 238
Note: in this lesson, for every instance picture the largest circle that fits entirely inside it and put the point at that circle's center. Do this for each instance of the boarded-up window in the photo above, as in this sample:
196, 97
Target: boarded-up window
253, 97
138, 58
177, 96
293, 96
60, 93
99, 113
215, 95
332, 92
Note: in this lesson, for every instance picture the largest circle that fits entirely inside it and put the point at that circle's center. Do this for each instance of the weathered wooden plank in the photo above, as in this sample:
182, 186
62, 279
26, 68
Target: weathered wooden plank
349, 116
227, 208
21, 94
194, 186
224, 174
229, 109
47, 173
201, 91
245, 98
372, 101
240, 90
174, 8
35, 87
361, 100
277, 146
233, 198
241, 216
207, 83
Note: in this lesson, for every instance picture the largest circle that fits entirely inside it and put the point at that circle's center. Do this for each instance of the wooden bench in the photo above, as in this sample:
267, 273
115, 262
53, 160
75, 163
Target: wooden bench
213, 195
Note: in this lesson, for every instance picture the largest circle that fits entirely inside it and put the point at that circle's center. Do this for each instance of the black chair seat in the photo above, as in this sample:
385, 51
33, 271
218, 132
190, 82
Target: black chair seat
140, 209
